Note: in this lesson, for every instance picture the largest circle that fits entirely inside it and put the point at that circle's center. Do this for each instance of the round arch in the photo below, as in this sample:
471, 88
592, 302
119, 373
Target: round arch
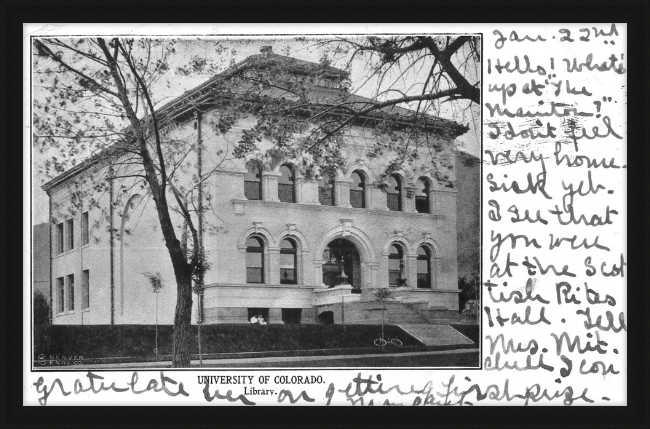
369, 177
355, 235
431, 244
295, 167
403, 177
436, 256
296, 235
258, 231
363, 245
400, 239
302, 251
427, 179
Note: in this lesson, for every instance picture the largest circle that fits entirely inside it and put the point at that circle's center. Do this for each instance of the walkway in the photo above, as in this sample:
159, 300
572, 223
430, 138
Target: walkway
254, 361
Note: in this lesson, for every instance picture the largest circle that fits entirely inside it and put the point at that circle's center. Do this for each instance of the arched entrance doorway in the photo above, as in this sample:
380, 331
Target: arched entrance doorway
342, 265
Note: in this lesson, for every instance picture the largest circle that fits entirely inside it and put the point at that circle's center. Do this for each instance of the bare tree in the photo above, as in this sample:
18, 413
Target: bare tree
96, 96
412, 82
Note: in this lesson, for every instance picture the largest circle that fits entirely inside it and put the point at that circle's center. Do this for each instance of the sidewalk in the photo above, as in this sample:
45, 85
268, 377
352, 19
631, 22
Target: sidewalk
209, 363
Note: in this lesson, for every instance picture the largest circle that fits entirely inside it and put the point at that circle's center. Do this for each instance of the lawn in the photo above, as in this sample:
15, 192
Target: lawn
104, 341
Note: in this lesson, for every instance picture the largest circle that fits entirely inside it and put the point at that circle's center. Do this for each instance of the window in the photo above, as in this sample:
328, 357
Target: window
85, 290
326, 190
70, 281
286, 192
422, 196
254, 260
394, 194
358, 191
424, 268
253, 182
288, 262
84, 229
395, 265
254, 315
59, 239
60, 294
291, 316
69, 234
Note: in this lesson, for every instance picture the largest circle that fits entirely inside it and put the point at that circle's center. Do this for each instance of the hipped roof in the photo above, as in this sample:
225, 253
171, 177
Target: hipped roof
317, 95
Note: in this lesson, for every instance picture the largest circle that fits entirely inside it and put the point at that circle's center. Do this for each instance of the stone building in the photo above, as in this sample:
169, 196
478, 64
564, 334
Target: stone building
284, 243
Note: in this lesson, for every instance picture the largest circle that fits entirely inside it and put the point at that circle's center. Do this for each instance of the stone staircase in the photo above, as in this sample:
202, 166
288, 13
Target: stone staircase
436, 335
434, 315
398, 313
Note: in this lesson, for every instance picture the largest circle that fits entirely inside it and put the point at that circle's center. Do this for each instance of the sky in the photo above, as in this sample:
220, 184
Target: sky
224, 51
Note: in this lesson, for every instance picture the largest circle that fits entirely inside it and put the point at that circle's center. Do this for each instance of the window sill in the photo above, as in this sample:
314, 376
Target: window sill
340, 209
259, 285
67, 252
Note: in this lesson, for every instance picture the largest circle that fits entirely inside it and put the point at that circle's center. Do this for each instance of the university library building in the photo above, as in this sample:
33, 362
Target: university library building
284, 245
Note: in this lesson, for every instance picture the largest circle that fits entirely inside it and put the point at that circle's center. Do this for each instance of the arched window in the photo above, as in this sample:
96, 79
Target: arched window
253, 182
394, 193
358, 190
422, 196
254, 260
326, 190
424, 268
286, 185
288, 253
396, 266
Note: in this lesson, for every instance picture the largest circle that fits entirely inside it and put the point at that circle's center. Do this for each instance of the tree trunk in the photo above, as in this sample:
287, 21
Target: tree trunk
181, 338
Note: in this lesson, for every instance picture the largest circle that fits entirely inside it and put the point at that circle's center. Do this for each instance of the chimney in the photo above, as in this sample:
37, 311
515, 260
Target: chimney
266, 50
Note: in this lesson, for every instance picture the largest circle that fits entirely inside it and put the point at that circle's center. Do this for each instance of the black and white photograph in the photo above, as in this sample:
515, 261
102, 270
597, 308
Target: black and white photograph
256, 201
329, 214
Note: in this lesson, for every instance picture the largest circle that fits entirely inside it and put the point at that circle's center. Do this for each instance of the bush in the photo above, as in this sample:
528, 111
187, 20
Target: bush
101, 341
470, 293
41, 309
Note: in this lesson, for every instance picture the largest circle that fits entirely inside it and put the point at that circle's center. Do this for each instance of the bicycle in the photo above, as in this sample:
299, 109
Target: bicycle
380, 342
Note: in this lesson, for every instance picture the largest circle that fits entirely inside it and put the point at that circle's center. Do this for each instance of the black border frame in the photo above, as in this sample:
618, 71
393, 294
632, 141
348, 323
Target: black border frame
635, 13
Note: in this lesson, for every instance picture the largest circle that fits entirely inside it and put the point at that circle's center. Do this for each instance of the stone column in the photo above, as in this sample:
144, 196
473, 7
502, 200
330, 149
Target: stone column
432, 201
275, 316
435, 272
309, 191
318, 274
274, 266
376, 198
342, 193
308, 316
237, 274
270, 186
408, 199
411, 270
370, 280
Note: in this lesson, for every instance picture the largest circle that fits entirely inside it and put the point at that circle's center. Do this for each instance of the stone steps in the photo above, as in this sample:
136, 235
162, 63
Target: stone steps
436, 335
397, 312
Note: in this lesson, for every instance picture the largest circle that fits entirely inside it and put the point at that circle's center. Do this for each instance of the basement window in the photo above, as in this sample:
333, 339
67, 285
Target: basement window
291, 316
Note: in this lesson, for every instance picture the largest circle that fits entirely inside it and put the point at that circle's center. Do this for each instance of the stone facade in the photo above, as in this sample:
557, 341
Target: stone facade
98, 277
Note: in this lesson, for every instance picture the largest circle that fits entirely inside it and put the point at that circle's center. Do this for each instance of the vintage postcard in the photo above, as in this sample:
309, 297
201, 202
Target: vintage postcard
326, 215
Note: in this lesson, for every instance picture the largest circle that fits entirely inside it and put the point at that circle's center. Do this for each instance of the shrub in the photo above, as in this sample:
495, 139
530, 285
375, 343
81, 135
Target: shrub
101, 341
41, 309
470, 293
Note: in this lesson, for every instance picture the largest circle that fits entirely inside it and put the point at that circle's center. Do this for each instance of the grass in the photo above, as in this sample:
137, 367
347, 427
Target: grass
103, 341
